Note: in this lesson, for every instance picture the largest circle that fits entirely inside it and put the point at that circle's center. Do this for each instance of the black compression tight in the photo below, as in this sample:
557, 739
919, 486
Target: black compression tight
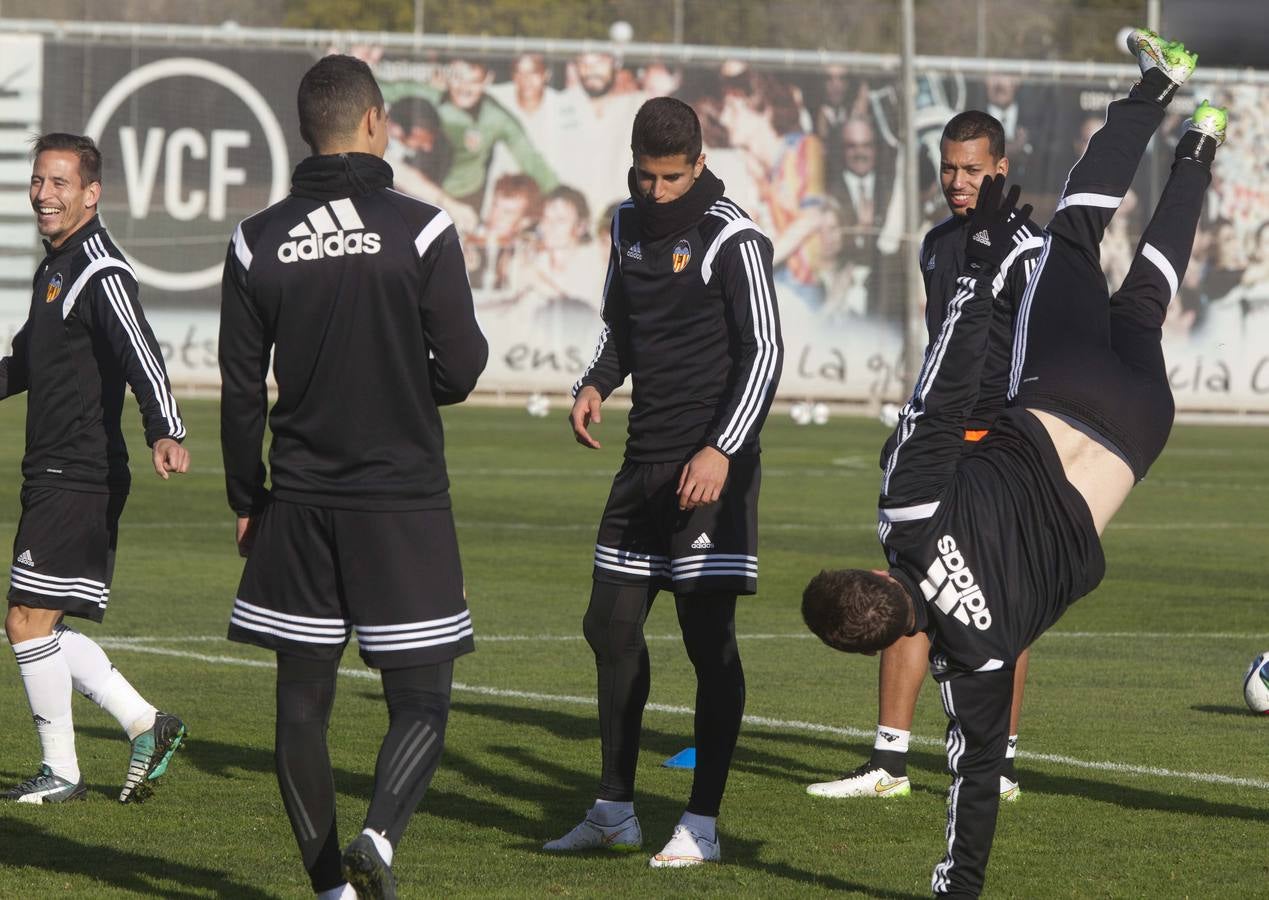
418, 708
305, 694
613, 626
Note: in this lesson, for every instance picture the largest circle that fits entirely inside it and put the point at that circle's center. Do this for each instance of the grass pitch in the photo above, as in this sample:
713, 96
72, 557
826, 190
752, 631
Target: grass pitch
1142, 772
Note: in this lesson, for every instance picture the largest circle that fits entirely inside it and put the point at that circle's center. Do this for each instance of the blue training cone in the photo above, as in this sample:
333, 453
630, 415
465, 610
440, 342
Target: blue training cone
684, 759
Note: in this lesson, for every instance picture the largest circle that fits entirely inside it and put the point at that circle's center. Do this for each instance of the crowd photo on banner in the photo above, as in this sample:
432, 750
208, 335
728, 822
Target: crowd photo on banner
816, 160
529, 153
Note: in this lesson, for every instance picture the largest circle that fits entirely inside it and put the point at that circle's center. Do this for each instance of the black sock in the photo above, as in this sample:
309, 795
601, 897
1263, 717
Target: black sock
892, 761
418, 709
1154, 86
1197, 146
305, 694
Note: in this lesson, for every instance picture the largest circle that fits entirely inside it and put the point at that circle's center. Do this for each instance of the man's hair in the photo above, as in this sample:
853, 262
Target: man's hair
855, 610
973, 124
334, 94
666, 127
763, 92
79, 144
415, 112
575, 199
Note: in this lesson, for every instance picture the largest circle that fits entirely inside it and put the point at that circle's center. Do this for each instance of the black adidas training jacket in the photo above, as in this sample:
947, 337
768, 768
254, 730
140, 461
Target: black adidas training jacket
942, 260
84, 338
360, 294
691, 316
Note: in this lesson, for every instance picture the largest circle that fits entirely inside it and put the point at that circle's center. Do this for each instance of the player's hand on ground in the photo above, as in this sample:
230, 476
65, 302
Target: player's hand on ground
586, 410
244, 536
993, 225
169, 457
702, 479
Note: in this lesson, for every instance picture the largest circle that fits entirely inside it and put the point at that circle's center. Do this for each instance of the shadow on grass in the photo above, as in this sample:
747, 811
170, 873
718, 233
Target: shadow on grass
28, 844
224, 760
1223, 710
562, 794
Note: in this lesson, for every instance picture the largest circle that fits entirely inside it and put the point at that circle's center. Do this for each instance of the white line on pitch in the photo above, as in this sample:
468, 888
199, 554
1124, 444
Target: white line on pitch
778, 724
792, 636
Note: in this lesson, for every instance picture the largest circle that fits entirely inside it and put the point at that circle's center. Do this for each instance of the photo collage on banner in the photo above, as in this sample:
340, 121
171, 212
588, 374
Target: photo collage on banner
529, 154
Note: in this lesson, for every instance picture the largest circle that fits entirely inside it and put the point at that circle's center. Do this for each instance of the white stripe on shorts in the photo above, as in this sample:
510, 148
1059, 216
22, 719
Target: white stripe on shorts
302, 629
52, 586
414, 635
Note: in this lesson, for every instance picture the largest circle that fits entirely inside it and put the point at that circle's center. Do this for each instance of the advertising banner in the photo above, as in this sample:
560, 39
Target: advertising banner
529, 154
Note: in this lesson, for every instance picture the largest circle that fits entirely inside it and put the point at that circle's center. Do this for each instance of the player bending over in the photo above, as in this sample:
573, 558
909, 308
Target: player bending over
988, 549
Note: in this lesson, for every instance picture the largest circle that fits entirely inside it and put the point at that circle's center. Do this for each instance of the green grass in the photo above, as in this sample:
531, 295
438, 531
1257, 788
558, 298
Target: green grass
1143, 675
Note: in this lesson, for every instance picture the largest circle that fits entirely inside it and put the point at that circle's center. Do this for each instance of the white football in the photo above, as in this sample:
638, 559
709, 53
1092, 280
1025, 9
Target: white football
801, 413
889, 415
1256, 684
819, 413
538, 405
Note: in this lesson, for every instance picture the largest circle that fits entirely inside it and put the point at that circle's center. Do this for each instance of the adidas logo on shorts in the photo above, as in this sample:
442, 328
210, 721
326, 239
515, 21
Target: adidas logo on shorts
983, 238
331, 230
635, 252
25, 558
703, 542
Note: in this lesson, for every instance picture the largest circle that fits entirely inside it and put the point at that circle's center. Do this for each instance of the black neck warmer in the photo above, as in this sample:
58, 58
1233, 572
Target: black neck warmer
340, 175
661, 220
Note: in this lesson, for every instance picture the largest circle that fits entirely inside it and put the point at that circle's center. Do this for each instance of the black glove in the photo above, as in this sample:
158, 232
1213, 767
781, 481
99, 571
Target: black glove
993, 225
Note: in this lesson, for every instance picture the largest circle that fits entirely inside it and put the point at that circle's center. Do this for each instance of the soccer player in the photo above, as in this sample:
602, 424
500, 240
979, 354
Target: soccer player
972, 148
987, 549
84, 339
360, 295
689, 314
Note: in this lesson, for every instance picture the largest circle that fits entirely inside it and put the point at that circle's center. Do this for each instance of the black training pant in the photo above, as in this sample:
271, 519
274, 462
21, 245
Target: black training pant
613, 626
1080, 351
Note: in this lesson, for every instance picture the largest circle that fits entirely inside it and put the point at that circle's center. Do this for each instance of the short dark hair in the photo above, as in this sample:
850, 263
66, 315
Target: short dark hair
334, 94
666, 127
973, 124
765, 93
79, 144
574, 198
856, 610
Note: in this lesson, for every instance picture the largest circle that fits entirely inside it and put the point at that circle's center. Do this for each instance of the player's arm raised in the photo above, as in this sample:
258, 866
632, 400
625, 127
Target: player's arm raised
929, 438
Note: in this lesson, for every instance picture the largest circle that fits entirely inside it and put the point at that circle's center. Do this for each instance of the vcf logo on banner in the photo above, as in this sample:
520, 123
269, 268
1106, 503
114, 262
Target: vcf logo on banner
198, 147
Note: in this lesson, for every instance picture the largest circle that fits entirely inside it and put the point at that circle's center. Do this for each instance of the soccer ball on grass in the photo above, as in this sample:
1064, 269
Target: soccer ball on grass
1256, 684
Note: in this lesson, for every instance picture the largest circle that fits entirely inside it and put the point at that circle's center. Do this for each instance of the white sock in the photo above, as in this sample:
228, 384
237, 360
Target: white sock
705, 826
611, 812
47, 680
1011, 748
103, 684
381, 844
893, 739
343, 892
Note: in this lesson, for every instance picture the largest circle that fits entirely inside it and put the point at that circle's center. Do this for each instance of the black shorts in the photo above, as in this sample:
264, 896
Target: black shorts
64, 551
316, 575
645, 536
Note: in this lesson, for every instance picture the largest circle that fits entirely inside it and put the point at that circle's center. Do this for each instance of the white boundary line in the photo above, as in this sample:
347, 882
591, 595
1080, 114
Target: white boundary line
764, 721
795, 636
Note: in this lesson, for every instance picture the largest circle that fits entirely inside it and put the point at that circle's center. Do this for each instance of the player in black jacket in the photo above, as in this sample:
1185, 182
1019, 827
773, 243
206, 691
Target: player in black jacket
972, 148
360, 294
987, 549
690, 315
85, 338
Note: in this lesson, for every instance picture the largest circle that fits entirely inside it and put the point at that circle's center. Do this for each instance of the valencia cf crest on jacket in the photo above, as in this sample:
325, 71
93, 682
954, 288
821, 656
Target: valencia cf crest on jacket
54, 288
682, 256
